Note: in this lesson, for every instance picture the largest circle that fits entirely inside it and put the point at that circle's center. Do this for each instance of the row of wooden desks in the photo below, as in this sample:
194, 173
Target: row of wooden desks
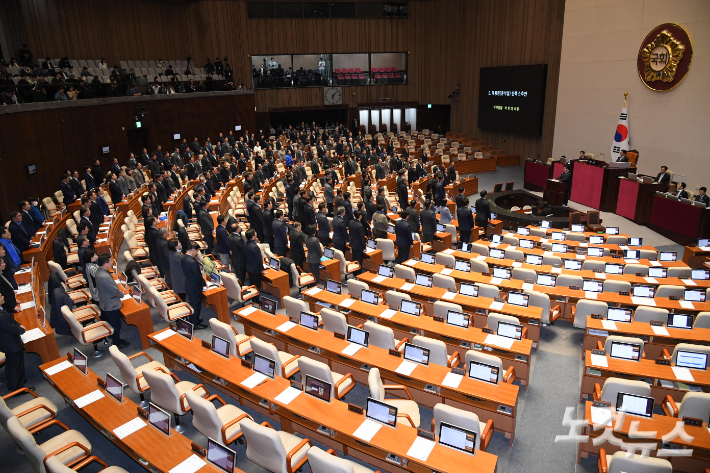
307, 415
427, 383
153, 450
405, 325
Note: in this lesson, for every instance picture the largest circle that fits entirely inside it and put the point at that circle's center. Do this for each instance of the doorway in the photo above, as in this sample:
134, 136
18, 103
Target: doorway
137, 140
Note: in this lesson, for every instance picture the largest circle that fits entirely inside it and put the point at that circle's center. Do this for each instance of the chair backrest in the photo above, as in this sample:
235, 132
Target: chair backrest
444, 259
380, 336
702, 320
593, 217
551, 260
488, 290
231, 284
55, 268
295, 306
403, 272
444, 282
163, 391
225, 332
394, 298
458, 417
479, 249
651, 314
695, 405
355, 287
442, 308
322, 462
387, 247
613, 386
693, 348
448, 228
541, 300
611, 285
616, 240
126, 371
638, 464
475, 355
572, 236
636, 268
26, 441
74, 324
591, 265
567, 280
334, 321
511, 240
586, 307
650, 255
522, 274
494, 318
437, 349
617, 338
262, 348
204, 416
479, 266
317, 369
374, 382
264, 446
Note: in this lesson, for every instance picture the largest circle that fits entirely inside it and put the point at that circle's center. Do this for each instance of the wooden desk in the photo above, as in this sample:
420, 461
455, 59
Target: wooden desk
660, 425
633, 199
508, 160
46, 346
275, 283
306, 414
217, 300
681, 222
695, 257
139, 316
549, 231
472, 166
158, 451
645, 368
470, 187
536, 175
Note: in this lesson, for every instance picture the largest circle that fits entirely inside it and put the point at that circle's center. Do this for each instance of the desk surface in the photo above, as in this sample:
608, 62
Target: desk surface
675, 335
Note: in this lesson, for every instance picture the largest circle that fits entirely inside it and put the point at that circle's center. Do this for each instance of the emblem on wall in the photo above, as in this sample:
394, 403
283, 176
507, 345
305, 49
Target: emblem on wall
664, 57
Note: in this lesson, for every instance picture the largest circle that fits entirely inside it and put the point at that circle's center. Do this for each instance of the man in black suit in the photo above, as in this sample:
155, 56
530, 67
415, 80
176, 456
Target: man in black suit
323, 224
280, 232
565, 177
75, 183
151, 238
663, 177
466, 223
702, 197
115, 190
402, 195
403, 237
85, 213
297, 239
97, 217
440, 190
236, 249
348, 208
682, 193
483, 211
194, 282
314, 252
27, 221
11, 344
222, 240
254, 260
204, 219
256, 215
268, 220
370, 207
428, 222
460, 198
67, 190
413, 216
622, 157
340, 229
290, 189
358, 240
21, 238
161, 243
309, 215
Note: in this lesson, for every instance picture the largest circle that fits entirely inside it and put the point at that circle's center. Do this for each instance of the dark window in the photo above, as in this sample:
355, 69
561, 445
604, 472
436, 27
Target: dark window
315, 10
369, 10
289, 10
260, 10
342, 10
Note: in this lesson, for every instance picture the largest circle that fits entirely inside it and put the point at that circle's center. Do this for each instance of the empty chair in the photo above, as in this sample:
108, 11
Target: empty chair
636, 269
387, 247
504, 376
437, 351
479, 266
702, 320
30, 413
567, 280
511, 240
696, 405
614, 386
497, 187
133, 376
395, 298
54, 465
172, 312
276, 451
572, 236
285, 364
488, 290
221, 424
686, 347
89, 334
340, 384
591, 265
383, 337
616, 240
444, 259
407, 410
651, 314
620, 463
444, 282
235, 291
170, 396
239, 345
479, 249
448, 228
464, 419
551, 260
329, 462
355, 288
346, 267
334, 321
72, 282
495, 318
403, 272
586, 307
294, 307
538, 232
650, 255
611, 285
542, 300
509, 185
442, 308
678, 272
513, 254
523, 274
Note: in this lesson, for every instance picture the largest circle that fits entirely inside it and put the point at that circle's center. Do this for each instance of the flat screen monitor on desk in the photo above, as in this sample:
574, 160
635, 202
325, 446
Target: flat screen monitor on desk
497, 238
370, 297
635, 241
694, 295
184, 328
390, 229
333, 286
428, 258
596, 240
372, 244
510, 330
411, 307
385, 271
612, 230
549, 280
220, 346
619, 315
264, 365
501, 272
596, 252
704, 242
691, 359
267, 305
518, 298
577, 228
220, 456
483, 372
381, 412
457, 438
632, 254
557, 236
635, 405
523, 231
625, 351
700, 274
684, 321
457, 318
493, 217
423, 280
559, 248
114, 387
667, 256
611, 268
329, 253
416, 354
215, 278
656, 272
644, 291
467, 289
309, 320
592, 285
440, 228
80, 362
464, 266
527, 244
533, 259
136, 293
572, 264
317, 388
545, 224
360, 337
159, 418
274, 264
496, 253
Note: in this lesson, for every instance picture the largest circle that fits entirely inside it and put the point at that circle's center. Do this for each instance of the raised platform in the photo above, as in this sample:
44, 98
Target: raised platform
502, 202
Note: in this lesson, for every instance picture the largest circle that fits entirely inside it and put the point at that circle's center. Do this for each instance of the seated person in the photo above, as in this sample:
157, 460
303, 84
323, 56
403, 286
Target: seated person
681, 191
663, 177
702, 197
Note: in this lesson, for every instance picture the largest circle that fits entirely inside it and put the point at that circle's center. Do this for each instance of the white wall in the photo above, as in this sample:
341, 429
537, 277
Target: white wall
600, 44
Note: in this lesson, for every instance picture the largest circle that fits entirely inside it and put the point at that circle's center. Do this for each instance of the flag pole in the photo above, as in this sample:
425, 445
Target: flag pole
626, 94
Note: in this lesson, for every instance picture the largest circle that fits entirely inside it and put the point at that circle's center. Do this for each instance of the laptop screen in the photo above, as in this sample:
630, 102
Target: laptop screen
533, 259
385, 271
80, 361
496, 238
619, 315
598, 252
220, 346
184, 328
573, 264
496, 253
333, 286
656, 272
329, 253
267, 305
644, 291
381, 412
545, 224
694, 295
557, 236
416, 354
635, 241
215, 278
499, 272
510, 330
559, 248
596, 240
221, 456
440, 228
528, 244
466, 289
114, 387
577, 228
591, 285
309, 320
264, 365
483, 372
361, 337
612, 230
518, 298
411, 307
610, 268
372, 244
636, 405
370, 297
159, 418
701, 274
427, 258
667, 256
549, 280
274, 264
680, 321
703, 242
632, 254
317, 388
460, 265
625, 351
390, 229
137, 293
457, 438
691, 359
523, 231
457, 318
423, 280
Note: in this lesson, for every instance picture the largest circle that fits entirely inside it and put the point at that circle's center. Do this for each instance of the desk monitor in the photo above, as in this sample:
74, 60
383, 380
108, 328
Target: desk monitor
533, 259
385, 271
667, 256
416, 354
619, 315
625, 351
577, 228
423, 280
220, 346
329, 253
264, 365
545, 224
549, 280
632, 254
596, 240
184, 328
635, 241
411, 307
360, 337
573, 264
694, 295
220, 456
680, 321
598, 252
691, 359
703, 242
390, 229
440, 228
493, 216
467, 289
381, 412
518, 298
458, 318
457, 438
527, 244
461, 265
592, 285
317, 388
159, 418
656, 272
80, 362
509, 330
701, 274
523, 231
114, 387
465, 247
497, 238
612, 230
371, 297
333, 286
136, 293
644, 291
496, 253
215, 278
267, 305
372, 244
635, 405
501, 272
557, 236
428, 258
559, 248
483, 372
309, 320
611, 268
275, 264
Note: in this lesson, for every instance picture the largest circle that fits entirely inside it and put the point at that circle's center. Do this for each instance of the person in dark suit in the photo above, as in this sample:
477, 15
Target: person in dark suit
11, 344
280, 232
163, 256
85, 213
622, 157
89, 178
380, 198
323, 225
466, 223
177, 276
682, 193
483, 210
702, 196
151, 238
663, 177
290, 194
440, 196
256, 215
402, 194
115, 190
565, 177
370, 207
236, 249
413, 216
358, 240
315, 253
97, 217
27, 220
428, 222
222, 241
309, 215
348, 208
194, 283
268, 218
20, 236
297, 239
403, 237
204, 219
460, 198
254, 260
67, 190
340, 229
7, 289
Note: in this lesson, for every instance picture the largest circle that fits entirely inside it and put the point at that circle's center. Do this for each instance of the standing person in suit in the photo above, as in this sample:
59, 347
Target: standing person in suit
236, 248
329, 194
340, 229
402, 194
256, 215
358, 240
663, 177
682, 193
297, 239
11, 344
380, 199
194, 283
702, 196
27, 221
67, 190
12, 255
115, 190
280, 233
19, 234
565, 177
315, 252
413, 216
440, 190
483, 211
309, 215
254, 260
290, 194
76, 184
204, 219
268, 218
428, 221
403, 237
466, 223
222, 241
110, 296
7, 289
177, 276
164, 256
89, 179
151, 238
460, 198
323, 224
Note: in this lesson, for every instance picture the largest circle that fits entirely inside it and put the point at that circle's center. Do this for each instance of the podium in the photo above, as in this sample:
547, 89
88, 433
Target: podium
554, 193
633, 199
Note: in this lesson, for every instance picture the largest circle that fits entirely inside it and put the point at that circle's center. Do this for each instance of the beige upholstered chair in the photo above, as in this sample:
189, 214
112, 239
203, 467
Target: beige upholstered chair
329, 462
442, 308
686, 347
408, 410
465, 420
355, 287
614, 386
651, 314
507, 376
696, 405
72, 282
395, 298
285, 364
276, 451
437, 351
294, 307
494, 318
171, 396
383, 337
239, 344
222, 424
54, 465
586, 307
346, 267
30, 413
619, 463
334, 321
387, 247
542, 300
172, 312
235, 291
340, 384
89, 334
133, 376
617, 338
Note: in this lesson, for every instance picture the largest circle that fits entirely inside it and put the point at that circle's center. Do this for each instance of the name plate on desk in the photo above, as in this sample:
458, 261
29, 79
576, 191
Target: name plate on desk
624, 293
599, 352
438, 319
486, 330
662, 361
142, 413
339, 335
656, 323
674, 298
574, 288
198, 449
101, 383
640, 274
394, 352
597, 316
425, 434
246, 364
457, 371
692, 421
206, 344
355, 409
499, 299
601, 404
486, 274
